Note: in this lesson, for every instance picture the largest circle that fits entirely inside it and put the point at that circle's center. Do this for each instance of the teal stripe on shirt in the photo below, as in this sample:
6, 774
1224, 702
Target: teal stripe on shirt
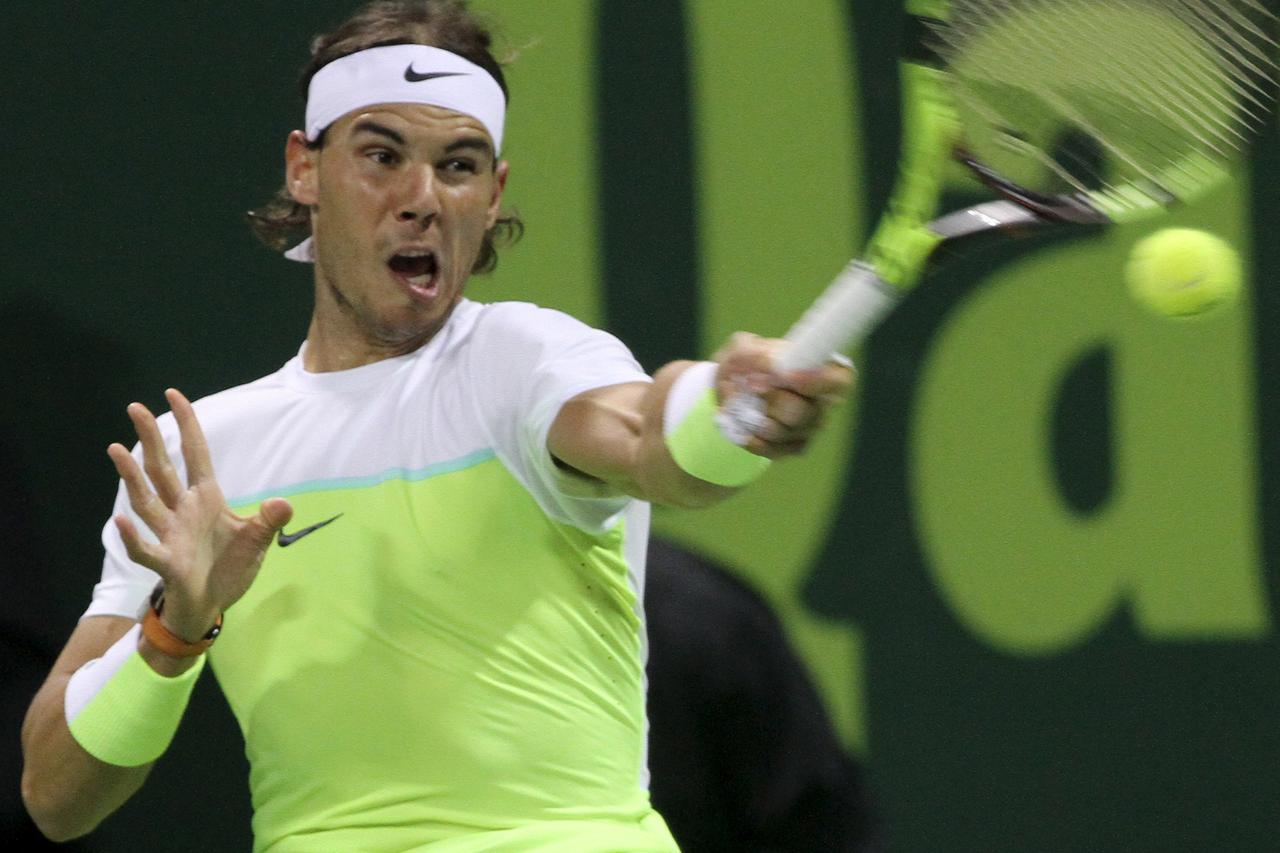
338, 483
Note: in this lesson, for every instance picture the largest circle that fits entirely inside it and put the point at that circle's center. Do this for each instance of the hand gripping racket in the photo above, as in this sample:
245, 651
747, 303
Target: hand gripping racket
1070, 111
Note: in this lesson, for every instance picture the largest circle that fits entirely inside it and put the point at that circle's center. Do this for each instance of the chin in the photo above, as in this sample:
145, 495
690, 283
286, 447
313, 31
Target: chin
409, 332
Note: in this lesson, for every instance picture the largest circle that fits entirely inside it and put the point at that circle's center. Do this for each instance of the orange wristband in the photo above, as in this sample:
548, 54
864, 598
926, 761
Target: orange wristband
167, 641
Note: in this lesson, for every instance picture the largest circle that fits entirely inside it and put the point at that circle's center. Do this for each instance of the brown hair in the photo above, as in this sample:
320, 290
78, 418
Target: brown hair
446, 24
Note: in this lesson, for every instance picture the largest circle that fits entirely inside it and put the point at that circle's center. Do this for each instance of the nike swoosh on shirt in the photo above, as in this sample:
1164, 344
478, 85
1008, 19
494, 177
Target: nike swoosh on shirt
287, 539
415, 77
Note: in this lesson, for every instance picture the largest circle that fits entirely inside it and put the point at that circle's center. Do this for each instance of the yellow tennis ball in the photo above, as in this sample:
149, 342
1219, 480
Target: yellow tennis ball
1179, 272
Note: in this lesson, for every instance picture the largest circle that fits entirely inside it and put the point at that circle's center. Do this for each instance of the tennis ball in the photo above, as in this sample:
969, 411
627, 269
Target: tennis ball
1178, 272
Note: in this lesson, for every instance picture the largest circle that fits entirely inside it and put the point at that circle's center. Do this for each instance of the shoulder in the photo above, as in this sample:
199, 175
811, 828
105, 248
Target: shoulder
526, 321
521, 338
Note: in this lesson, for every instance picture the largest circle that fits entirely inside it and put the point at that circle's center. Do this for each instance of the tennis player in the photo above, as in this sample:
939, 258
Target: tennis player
414, 554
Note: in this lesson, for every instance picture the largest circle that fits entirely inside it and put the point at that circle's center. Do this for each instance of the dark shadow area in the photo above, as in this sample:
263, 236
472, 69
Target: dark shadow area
65, 386
742, 752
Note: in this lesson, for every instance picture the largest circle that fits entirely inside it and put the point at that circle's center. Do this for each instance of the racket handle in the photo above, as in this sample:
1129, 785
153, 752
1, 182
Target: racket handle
839, 318
844, 313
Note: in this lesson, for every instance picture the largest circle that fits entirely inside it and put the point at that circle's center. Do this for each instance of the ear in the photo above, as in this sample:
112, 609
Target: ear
495, 202
301, 169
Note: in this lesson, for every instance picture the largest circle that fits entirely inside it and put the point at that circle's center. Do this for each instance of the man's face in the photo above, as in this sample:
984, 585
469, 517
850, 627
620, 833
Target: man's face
401, 196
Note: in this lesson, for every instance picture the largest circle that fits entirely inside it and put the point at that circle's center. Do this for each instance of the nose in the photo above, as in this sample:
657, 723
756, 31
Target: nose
419, 202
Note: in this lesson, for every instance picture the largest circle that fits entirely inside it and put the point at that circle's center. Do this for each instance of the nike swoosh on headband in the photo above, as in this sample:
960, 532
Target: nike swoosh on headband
414, 77
287, 539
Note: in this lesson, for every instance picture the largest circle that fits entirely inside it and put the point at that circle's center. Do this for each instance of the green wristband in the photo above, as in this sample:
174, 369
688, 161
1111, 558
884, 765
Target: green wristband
701, 449
131, 720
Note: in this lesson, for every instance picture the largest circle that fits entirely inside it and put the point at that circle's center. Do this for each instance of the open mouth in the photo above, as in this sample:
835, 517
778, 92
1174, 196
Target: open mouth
416, 269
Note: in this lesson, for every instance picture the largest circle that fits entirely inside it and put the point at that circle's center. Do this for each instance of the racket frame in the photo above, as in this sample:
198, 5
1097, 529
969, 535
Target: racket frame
909, 231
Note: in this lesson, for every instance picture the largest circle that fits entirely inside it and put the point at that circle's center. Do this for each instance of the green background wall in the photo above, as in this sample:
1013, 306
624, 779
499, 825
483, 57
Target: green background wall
1032, 565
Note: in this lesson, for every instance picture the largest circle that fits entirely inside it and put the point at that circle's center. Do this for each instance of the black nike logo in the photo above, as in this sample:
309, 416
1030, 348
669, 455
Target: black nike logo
287, 539
414, 77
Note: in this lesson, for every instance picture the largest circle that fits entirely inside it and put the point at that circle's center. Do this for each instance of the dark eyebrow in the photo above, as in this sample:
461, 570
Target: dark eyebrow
374, 127
475, 142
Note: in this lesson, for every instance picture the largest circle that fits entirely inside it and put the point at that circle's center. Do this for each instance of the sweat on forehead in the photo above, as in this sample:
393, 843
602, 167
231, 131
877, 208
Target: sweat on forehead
405, 73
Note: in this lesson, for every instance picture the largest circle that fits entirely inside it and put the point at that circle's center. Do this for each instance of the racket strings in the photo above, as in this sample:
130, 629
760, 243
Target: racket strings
1192, 76
1168, 90
1242, 42
1132, 154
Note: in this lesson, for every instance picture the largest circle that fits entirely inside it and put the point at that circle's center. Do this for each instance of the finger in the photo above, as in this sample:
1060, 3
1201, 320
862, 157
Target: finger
274, 514
746, 364
775, 434
792, 411
738, 344
155, 457
195, 450
141, 551
776, 449
145, 503
833, 379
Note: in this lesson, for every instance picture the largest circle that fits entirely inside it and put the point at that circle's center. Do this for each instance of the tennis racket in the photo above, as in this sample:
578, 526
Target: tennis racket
1069, 111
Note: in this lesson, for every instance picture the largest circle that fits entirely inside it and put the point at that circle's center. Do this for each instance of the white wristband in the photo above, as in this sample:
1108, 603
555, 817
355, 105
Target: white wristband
90, 678
685, 393
694, 439
123, 712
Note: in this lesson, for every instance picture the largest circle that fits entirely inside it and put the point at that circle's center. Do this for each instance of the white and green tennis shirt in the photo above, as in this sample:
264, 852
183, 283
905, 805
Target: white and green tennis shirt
454, 662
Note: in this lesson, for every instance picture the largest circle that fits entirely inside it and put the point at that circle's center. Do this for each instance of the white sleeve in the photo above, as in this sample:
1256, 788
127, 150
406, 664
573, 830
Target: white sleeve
527, 363
125, 587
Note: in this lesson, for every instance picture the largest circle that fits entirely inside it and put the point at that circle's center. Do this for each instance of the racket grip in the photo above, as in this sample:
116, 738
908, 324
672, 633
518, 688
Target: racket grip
845, 312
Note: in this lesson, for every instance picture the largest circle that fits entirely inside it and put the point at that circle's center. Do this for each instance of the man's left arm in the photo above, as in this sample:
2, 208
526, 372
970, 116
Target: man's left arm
619, 433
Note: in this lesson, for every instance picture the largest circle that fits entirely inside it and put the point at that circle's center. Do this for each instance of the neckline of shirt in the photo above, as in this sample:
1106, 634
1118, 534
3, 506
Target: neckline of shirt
368, 377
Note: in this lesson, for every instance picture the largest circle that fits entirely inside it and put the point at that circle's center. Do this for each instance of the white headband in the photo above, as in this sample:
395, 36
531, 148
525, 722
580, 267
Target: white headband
401, 74
405, 74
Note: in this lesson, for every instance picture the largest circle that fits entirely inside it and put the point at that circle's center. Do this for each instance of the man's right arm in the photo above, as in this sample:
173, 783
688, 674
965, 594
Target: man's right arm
126, 710
66, 790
